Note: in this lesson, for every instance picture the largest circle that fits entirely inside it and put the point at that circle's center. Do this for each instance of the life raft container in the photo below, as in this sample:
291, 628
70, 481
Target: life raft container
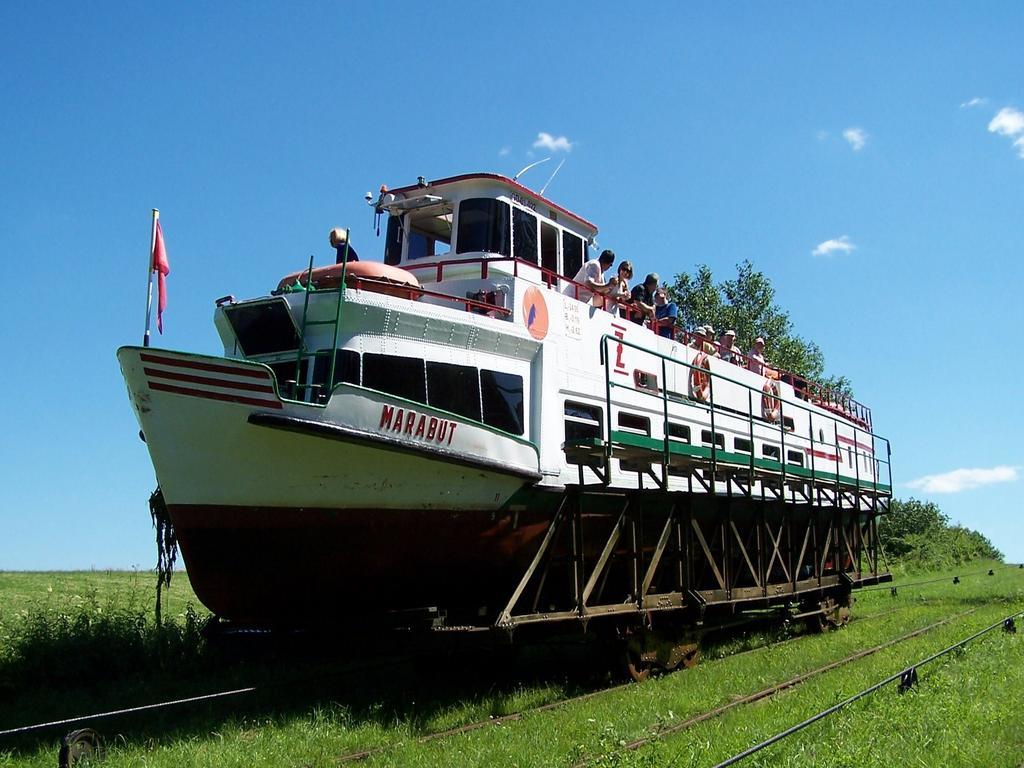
364, 275
771, 405
700, 378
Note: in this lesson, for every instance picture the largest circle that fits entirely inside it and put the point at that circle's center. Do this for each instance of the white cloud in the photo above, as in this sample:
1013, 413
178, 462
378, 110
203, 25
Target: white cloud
504, 151
836, 244
856, 137
963, 479
977, 101
821, 135
551, 143
1010, 122
1007, 122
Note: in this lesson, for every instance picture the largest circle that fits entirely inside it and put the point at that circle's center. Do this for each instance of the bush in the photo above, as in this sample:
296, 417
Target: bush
917, 535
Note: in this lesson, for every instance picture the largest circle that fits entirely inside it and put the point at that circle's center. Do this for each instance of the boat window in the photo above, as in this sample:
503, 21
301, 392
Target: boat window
705, 437
771, 451
741, 445
502, 395
524, 235
284, 372
572, 254
583, 422
263, 328
393, 241
795, 457
483, 226
346, 369
679, 431
454, 388
633, 423
399, 376
549, 248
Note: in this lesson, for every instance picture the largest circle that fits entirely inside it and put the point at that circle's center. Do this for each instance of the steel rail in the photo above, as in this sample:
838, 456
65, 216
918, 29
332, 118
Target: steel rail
516, 716
322, 674
866, 692
897, 585
779, 687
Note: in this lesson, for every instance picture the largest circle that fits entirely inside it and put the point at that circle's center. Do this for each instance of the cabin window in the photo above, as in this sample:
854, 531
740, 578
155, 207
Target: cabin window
346, 369
770, 451
583, 422
549, 248
719, 440
454, 388
502, 396
398, 376
787, 423
679, 432
741, 445
524, 236
795, 457
483, 226
572, 254
639, 425
284, 372
393, 241
263, 328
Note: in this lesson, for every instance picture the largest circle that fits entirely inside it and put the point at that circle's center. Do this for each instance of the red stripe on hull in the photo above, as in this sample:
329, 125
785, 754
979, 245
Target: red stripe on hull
854, 443
222, 396
821, 455
251, 373
244, 385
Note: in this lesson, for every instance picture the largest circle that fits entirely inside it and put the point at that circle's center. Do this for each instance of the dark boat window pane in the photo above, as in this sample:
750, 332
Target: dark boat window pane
524, 236
263, 328
572, 254
549, 248
393, 241
284, 372
483, 226
346, 369
454, 388
399, 376
503, 400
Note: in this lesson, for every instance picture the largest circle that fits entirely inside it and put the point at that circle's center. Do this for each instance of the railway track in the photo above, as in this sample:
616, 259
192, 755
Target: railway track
395, 661
499, 720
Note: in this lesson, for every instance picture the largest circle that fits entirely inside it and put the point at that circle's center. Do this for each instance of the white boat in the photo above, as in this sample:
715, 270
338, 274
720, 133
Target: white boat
479, 426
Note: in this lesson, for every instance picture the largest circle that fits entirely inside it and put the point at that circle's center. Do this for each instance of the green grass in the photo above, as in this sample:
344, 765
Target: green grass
964, 711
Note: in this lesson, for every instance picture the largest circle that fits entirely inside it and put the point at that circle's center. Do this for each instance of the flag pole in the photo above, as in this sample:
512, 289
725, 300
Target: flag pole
149, 276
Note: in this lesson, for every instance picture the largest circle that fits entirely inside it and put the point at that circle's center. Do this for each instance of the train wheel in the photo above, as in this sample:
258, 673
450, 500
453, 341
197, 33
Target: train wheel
692, 657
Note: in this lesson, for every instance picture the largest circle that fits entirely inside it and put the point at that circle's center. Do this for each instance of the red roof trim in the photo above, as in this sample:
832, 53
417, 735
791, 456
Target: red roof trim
504, 180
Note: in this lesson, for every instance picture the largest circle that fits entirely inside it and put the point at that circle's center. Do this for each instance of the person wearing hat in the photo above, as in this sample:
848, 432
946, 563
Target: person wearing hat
702, 341
755, 359
642, 298
589, 282
725, 348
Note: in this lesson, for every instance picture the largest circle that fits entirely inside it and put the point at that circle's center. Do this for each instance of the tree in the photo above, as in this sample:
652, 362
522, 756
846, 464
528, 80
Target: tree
747, 305
917, 533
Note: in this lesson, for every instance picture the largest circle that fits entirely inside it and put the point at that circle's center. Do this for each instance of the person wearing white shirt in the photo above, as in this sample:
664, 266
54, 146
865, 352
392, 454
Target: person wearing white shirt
591, 280
755, 360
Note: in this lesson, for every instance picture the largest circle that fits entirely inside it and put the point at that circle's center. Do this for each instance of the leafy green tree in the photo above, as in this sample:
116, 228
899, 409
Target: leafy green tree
747, 305
917, 533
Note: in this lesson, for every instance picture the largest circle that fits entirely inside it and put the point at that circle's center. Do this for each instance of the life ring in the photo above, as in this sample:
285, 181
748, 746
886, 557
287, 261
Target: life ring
367, 275
771, 405
700, 378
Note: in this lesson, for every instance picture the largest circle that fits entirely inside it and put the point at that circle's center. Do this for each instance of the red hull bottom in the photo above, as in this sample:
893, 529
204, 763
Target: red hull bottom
304, 567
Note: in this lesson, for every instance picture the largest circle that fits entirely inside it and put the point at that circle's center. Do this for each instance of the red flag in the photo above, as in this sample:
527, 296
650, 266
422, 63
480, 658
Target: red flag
162, 267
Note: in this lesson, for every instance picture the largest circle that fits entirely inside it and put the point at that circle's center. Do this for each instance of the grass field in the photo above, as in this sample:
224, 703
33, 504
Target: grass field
85, 642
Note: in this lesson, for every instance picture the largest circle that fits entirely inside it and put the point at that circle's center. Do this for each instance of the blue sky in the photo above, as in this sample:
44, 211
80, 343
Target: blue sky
694, 133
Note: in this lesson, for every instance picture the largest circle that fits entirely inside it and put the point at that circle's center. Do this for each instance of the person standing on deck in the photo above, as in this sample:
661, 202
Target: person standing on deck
591, 281
643, 299
755, 360
665, 313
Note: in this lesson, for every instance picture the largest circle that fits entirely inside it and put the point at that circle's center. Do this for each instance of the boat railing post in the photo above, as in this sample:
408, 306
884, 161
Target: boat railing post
302, 330
750, 423
337, 314
664, 426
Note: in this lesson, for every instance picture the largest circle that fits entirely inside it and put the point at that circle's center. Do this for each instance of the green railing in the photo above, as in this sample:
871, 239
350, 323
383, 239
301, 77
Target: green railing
668, 446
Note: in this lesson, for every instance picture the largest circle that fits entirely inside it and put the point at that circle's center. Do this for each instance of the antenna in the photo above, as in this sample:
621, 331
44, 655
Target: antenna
538, 162
553, 176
